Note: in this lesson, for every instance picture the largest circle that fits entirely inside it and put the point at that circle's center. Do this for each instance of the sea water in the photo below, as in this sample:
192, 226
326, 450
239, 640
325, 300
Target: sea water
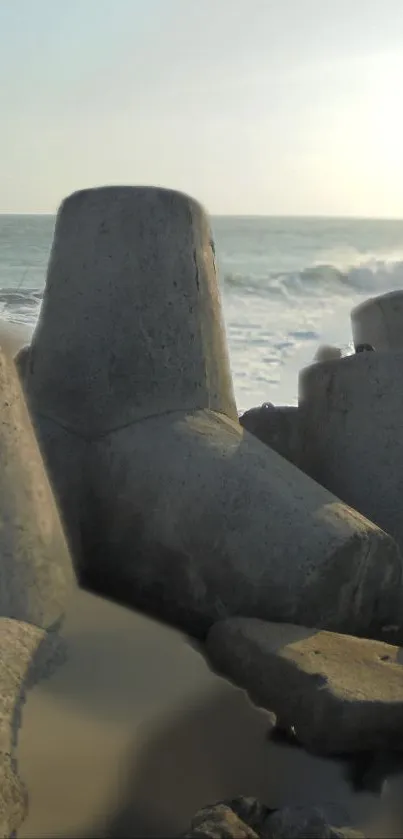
288, 285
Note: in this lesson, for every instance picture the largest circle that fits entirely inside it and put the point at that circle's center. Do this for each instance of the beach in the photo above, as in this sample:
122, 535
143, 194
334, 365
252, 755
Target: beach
134, 734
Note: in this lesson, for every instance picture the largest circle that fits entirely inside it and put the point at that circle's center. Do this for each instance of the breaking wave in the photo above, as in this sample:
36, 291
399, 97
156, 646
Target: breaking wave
369, 276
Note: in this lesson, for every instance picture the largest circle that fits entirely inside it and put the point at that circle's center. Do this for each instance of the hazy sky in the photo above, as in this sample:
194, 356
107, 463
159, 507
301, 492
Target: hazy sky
252, 106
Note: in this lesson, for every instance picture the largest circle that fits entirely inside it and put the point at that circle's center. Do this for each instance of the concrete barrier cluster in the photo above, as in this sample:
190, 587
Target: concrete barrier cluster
169, 504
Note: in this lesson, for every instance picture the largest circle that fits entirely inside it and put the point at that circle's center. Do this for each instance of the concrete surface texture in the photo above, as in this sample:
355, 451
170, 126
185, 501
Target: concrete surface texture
176, 508
340, 693
198, 520
351, 438
277, 427
36, 570
379, 322
131, 323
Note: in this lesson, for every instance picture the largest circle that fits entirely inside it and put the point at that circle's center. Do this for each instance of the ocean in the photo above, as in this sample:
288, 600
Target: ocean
288, 285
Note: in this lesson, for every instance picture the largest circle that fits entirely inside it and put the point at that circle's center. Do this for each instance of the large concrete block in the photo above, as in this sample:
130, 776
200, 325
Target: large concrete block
351, 431
379, 322
340, 694
198, 520
182, 513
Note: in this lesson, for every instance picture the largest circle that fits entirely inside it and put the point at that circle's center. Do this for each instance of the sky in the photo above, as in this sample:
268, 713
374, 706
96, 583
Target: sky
254, 107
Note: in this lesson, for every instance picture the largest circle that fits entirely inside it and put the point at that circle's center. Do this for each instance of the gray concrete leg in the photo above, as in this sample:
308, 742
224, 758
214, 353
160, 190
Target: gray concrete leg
36, 570
197, 520
351, 420
36, 580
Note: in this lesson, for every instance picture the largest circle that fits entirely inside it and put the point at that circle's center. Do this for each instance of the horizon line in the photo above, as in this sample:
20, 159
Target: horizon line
308, 216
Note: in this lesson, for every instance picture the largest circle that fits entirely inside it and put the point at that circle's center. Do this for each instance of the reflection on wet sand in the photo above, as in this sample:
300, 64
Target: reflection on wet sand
135, 733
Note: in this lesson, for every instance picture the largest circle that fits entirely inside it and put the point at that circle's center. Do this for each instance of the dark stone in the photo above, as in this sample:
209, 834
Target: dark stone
219, 822
306, 823
247, 818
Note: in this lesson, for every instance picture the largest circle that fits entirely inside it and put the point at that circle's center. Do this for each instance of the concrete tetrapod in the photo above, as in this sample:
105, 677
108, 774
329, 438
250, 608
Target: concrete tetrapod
277, 427
351, 414
180, 512
379, 322
36, 579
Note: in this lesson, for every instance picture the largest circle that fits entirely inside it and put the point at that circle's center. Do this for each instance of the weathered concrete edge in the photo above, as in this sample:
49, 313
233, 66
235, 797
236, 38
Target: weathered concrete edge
27, 655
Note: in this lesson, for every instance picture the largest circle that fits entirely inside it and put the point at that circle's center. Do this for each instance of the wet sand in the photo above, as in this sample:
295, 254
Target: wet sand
135, 733
13, 336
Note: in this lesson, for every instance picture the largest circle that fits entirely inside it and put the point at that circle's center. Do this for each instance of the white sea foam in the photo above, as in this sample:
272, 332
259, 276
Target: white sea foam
288, 286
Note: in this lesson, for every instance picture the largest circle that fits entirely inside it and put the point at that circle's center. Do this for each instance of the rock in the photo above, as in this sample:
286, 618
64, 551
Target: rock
219, 822
247, 818
342, 694
171, 507
351, 441
379, 322
251, 811
306, 823
277, 427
